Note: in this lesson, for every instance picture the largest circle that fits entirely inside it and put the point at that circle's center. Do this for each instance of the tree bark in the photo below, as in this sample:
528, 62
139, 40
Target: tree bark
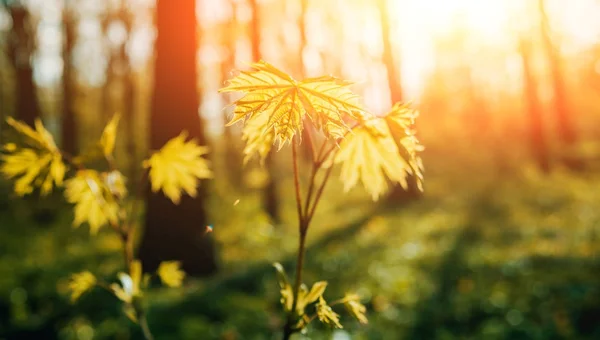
566, 129
21, 47
538, 141
176, 232
69, 125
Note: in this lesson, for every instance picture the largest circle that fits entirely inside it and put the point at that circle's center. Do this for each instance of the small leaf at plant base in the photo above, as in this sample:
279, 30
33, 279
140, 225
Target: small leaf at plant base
316, 292
109, 136
130, 312
130, 283
281, 275
81, 283
178, 167
355, 308
285, 289
170, 273
326, 315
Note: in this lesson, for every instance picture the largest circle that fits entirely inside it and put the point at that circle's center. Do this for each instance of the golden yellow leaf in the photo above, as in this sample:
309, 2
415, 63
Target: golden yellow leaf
170, 273
400, 121
177, 167
285, 289
109, 136
130, 283
38, 138
81, 283
370, 154
258, 138
286, 101
39, 164
326, 315
355, 308
94, 202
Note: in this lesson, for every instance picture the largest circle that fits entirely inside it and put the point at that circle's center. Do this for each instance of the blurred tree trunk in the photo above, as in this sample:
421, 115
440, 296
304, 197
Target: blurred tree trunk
21, 47
107, 103
69, 125
176, 232
397, 193
270, 202
566, 129
233, 158
538, 140
128, 99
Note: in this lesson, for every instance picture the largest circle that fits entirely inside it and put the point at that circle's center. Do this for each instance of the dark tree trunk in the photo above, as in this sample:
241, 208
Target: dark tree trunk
128, 99
69, 126
176, 232
538, 140
566, 129
270, 202
397, 194
21, 47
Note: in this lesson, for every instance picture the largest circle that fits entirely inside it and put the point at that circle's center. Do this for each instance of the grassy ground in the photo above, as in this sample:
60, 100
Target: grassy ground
478, 257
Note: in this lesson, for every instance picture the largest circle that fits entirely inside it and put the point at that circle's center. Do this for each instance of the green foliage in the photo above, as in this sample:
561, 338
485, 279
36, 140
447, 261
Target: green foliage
100, 199
275, 109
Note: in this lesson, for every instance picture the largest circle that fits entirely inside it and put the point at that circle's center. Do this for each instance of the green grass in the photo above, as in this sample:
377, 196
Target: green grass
478, 257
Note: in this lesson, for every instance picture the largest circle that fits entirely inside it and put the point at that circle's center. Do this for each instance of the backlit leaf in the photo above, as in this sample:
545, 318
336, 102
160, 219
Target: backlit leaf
286, 101
400, 121
170, 273
326, 315
178, 167
38, 164
81, 283
285, 289
258, 142
369, 154
130, 287
94, 202
109, 136
355, 308
316, 292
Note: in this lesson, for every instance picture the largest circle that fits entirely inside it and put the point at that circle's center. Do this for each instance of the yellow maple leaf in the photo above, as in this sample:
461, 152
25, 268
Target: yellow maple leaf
369, 154
258, 142
326, 315
38, 138
286, 101
81, 283
400, 121
177, 167
109, 136
95, 204
355, 308
130, 286
170, 273
39, 164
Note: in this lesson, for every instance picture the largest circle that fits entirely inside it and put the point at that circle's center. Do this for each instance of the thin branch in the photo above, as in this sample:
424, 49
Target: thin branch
297, 184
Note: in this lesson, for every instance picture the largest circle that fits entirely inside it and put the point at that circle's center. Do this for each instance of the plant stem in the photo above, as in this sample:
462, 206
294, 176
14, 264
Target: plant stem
145, 329
127, 250
302, 228
304, 218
